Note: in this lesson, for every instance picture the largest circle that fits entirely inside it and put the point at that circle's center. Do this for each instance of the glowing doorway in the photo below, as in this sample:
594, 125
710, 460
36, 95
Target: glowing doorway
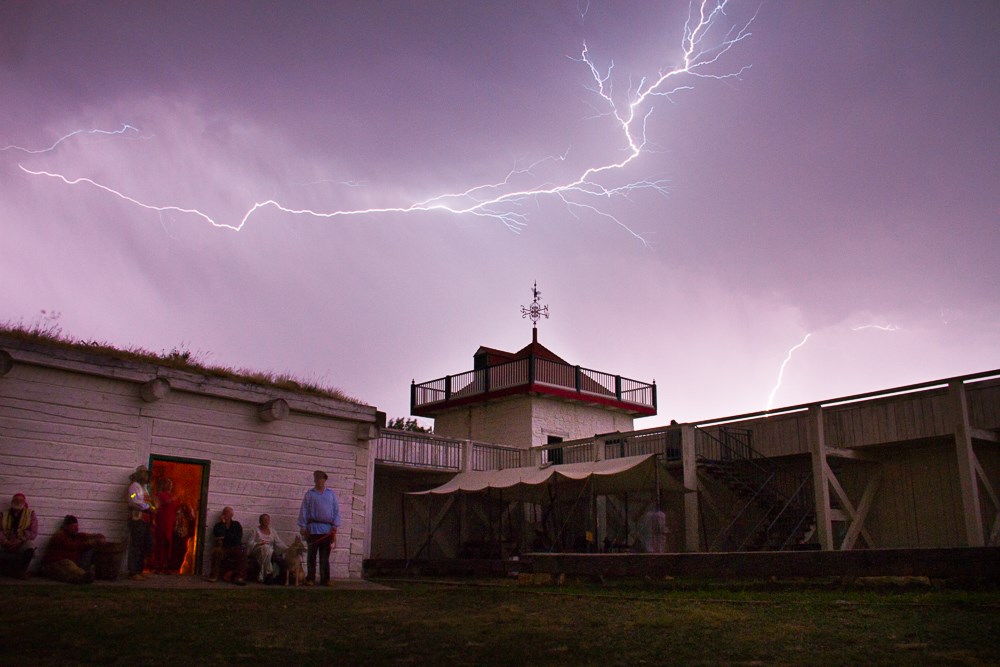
179, 488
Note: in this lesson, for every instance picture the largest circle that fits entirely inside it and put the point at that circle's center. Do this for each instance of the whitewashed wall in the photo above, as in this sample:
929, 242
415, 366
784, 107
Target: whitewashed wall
526, 421
571, 421
73, 427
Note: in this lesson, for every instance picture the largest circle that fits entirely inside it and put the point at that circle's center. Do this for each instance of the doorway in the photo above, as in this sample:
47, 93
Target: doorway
179, 488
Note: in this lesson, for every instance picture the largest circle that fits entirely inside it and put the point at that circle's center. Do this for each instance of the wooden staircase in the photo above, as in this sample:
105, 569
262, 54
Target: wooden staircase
774, 509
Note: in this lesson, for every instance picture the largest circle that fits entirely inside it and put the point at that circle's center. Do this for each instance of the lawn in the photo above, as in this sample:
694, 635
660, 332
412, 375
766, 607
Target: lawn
429, 623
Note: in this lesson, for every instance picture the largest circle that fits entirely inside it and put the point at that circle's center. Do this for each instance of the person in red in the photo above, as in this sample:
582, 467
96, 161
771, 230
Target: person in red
69, 554
163, 526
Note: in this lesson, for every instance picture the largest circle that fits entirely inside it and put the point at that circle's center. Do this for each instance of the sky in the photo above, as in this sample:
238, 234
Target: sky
828, 172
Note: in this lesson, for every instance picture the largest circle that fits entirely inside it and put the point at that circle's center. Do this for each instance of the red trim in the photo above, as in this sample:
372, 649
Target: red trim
431, 409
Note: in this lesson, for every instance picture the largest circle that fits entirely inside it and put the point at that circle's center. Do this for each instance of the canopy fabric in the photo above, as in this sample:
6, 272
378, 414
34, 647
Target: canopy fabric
630, 473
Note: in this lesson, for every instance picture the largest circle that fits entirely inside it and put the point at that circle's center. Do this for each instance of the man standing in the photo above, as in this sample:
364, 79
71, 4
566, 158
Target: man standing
140, 515
19, 527
70, 553
229, 557
319, 518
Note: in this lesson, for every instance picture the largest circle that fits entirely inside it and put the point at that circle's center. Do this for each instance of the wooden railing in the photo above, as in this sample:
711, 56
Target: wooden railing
538, 372
496, 457
425, 450
419, 450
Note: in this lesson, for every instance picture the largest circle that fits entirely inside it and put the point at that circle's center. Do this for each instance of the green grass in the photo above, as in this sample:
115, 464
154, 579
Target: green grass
421, 623
48, 332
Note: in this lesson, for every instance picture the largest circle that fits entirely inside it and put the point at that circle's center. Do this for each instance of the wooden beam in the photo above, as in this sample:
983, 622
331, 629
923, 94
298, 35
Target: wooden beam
858, 524
273, 410
853, 454
984, 435
852, 514
967, 462
689, 459
821, 475
154, 390
6, 362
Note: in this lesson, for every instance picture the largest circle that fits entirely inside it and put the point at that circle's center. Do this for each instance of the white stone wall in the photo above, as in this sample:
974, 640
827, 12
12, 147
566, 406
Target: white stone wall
71, 433
571, 421
526, 421
505, 422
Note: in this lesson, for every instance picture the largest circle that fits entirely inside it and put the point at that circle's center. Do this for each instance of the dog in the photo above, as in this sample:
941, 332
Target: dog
294, 572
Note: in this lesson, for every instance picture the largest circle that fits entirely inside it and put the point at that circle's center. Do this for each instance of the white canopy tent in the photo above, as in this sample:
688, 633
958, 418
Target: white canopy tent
609, 476
577, 484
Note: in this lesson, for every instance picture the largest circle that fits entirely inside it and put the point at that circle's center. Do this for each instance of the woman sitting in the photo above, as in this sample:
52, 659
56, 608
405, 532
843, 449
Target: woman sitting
266, 548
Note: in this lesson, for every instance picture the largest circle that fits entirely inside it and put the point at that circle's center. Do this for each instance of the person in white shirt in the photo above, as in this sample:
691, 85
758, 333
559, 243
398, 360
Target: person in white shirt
266, 547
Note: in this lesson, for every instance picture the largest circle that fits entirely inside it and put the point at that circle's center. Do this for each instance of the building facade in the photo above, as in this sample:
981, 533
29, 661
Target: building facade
74, 423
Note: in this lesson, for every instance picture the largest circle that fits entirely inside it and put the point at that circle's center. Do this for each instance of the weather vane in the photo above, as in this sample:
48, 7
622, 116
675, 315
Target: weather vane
535, 311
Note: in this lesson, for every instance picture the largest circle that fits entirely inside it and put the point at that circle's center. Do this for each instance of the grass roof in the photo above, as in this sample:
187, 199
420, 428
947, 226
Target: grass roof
48, 331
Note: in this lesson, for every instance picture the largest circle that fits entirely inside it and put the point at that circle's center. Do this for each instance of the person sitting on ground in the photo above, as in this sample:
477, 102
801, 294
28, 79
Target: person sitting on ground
18, 529
229, 557
266, 547
70, 552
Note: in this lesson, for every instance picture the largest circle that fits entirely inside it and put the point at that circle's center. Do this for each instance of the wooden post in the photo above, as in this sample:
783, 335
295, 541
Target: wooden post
967, 462
154, 390
821, 485
6, 362
689, 461
273, 410
467, 450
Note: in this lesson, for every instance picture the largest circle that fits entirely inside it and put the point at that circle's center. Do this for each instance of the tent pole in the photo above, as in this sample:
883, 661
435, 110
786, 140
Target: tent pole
626, 518
656, 481
406, 555
593, 513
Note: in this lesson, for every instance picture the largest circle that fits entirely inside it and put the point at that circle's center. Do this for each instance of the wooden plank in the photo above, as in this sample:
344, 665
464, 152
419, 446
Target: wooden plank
16, 409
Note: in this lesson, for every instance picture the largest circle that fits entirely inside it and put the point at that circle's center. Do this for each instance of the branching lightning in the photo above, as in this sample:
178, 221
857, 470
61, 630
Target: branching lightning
500, 201
880, 327
125, 128
781, 372
788, 357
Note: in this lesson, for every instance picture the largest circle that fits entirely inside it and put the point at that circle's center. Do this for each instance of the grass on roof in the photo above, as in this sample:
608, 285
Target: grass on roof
47, 330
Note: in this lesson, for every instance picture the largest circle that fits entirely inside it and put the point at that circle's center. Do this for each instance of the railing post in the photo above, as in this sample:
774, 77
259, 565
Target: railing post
413, 396
579, 385
654, 394
618, 387
486, 380
447, 387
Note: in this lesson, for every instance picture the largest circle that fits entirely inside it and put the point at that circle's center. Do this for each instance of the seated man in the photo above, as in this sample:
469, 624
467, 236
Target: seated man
18, 529
69, 554
229, 557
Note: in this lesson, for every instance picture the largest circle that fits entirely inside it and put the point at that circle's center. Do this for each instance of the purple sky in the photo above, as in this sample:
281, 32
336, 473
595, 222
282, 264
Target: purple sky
848, 178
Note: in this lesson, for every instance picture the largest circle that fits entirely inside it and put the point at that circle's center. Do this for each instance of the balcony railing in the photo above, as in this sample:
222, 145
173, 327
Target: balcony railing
534, 374
425, 450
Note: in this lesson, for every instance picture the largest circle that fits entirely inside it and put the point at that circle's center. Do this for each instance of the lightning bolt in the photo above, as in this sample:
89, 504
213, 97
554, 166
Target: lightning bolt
889, 327
501, 200
781, 372
124, 129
